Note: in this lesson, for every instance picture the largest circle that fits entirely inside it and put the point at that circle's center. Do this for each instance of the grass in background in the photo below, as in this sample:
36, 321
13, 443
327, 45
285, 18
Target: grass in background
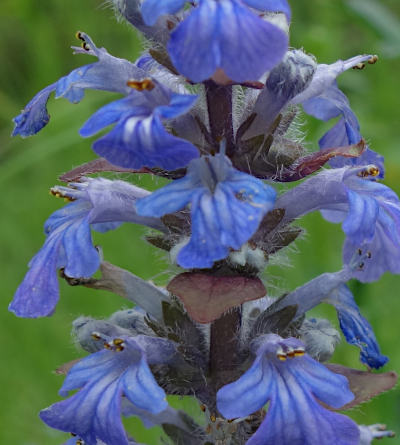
35, 52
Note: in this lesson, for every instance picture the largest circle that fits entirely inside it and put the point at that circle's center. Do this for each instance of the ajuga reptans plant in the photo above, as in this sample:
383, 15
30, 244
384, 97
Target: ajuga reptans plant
212, 106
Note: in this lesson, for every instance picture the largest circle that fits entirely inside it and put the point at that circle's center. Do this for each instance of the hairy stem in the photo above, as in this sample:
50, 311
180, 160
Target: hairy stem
219, 104
224, 348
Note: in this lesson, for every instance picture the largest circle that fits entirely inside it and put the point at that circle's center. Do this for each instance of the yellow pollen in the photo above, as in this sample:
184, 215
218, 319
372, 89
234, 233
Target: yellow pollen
107, 346
119, 348
299, 353
291, 354
370, 171
118, 341
141, 85
96, 336
373, 59
213, 418
281, 357
79, 36
359, 66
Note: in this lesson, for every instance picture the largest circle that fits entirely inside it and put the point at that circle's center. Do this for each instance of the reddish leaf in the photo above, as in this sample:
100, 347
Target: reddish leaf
65, 368
96, 166
207, 297
364, 384
309, 164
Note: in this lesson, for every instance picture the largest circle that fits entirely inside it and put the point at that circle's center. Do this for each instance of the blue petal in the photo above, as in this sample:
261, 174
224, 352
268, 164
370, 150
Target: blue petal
295, 418
356, 328
136, 142
82, 258
92, 413
225, 35
220, 221
34, 116
270, 6
248, 394
111, 113
293, 387
360, 222
168, 199
141, 388
179, 104
38, 294
153, 9
109, 74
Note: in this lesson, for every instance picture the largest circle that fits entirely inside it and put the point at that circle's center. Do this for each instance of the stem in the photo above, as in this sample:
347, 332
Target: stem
224, 348
219, 104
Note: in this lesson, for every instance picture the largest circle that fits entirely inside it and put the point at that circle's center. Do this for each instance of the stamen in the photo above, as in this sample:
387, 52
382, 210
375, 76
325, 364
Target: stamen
141, 85
281, 357
371, 170
290, 353
213, 418
203, 408
79, 36
96, 336
373, 59
58, 194
299, 352
359, 66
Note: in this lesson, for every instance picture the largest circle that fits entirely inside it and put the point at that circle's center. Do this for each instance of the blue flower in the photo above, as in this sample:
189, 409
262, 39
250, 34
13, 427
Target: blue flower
330, 288
294, 384
324, 100
369, 213
100, 203
355, 327
222, 34
109, 74
94, 412
226, 208
139, 138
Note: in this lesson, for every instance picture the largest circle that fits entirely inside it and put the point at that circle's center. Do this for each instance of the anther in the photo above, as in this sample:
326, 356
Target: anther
85, 46
119, 348
281, 357
361, 265
369, 254
96, 336
359, 251
372, 170
299, 352
79, 36
373, 59
141, 85
107, 345
118, 341
290, 353
203, 408
213, 418
359, 66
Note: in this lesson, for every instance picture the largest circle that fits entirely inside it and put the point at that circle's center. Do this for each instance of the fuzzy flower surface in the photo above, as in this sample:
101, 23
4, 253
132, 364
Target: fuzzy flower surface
293, 383
226, 208
94, 412
99, 204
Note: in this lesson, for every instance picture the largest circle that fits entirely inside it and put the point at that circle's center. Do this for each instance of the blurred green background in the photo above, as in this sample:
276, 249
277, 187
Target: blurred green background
36, 36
